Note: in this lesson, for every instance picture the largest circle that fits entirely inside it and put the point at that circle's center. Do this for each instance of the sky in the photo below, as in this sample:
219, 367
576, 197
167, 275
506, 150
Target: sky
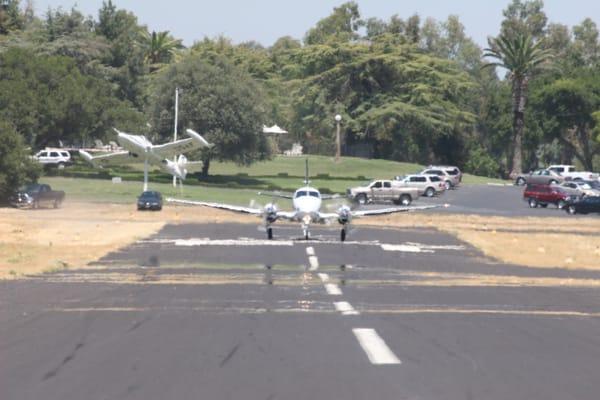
267, 20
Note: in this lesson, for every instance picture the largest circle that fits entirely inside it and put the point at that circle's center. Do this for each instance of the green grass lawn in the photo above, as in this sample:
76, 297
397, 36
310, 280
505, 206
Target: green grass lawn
229, 182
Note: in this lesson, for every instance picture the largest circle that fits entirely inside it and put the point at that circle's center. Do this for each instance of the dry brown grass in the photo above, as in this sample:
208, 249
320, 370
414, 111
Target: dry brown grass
572, 243
32, 241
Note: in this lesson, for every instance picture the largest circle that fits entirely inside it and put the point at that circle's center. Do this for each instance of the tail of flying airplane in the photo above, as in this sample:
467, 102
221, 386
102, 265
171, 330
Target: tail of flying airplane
306, 180
87, 157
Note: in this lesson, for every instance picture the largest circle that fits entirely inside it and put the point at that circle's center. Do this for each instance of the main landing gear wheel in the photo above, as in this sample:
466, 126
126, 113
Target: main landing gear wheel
270, 233
343, 235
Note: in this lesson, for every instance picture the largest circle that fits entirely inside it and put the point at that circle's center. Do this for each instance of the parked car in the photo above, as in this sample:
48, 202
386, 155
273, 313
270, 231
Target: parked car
449, 175
584, 205
540, 177
579, 188
383, 190
36, 195
542, 195
150, 200
428, 185
53, 158
569, 172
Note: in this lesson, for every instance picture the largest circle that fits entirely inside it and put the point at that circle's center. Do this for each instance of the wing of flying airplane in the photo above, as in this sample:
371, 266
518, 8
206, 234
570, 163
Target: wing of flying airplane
277, 194
120, 157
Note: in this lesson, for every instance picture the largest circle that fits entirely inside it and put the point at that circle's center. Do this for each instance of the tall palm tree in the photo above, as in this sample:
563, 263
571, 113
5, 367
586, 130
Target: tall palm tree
522, 57
159, 48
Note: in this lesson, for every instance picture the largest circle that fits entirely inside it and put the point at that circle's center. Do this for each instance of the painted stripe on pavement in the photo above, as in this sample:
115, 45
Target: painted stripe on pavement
310, 251
345, 308
333, 289
314, 263
324, 277
373, 345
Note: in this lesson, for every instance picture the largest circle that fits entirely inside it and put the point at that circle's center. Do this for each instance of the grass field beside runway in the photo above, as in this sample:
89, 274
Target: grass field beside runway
228, 181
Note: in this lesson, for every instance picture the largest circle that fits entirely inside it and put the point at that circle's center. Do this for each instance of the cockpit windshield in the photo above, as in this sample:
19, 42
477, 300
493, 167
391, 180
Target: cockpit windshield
305, 193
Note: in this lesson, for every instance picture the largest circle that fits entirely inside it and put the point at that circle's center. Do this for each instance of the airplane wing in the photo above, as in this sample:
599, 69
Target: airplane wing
229, 207
331, 196
169, 150
389, 210
277, 194
240, 209
121, 157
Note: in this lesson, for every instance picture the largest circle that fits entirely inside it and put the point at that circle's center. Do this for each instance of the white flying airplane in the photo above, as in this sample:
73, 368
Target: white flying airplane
139, 149
307, 210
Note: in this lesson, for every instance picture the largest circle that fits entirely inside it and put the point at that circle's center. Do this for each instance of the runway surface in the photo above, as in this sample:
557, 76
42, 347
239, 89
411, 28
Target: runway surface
218, 312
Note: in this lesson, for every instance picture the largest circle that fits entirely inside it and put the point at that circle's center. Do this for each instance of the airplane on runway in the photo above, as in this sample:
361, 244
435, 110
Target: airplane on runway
307, 210
139, 149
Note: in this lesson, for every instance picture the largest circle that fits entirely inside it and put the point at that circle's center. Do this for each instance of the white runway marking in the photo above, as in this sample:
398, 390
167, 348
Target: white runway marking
405, 248
314, 263
324, 277
310, 251
345, 308
377, 351
436, 247
333, 289
223, 242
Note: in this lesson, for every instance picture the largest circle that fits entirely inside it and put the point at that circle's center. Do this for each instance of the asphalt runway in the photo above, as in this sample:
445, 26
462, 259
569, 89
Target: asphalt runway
218, 312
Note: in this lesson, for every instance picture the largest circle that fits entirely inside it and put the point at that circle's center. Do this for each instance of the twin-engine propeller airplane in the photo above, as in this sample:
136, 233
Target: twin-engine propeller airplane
307, 210
139, 149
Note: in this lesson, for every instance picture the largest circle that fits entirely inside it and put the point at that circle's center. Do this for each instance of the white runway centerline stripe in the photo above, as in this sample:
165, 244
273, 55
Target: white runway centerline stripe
314, 263
345, 308
324, 277
333, 289
377, 351
310, 251
219, 242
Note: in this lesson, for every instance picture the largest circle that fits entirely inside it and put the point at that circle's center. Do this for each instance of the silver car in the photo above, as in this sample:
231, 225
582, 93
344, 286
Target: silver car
449, 175
428, 185
540, 177
579, 188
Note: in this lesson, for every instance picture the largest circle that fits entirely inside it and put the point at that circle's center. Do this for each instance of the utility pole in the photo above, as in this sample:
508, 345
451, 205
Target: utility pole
175, 130
338, 141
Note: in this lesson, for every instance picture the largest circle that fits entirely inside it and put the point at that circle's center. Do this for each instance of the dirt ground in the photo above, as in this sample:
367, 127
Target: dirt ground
33, 241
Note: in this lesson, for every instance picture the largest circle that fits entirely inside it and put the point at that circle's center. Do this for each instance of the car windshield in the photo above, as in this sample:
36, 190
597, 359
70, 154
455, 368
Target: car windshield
34, 187
149, 195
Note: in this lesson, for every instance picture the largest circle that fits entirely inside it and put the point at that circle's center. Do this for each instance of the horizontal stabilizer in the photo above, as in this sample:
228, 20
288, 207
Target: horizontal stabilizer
198, 138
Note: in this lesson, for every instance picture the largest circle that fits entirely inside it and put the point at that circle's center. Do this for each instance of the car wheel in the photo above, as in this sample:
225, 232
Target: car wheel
533, 203
571, 210
447, 185
405, 200
561, 204
520, 181
61, 165
361, 199
553, 182
429, 192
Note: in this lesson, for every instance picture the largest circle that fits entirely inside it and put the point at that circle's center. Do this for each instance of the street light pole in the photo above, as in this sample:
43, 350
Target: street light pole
338, 141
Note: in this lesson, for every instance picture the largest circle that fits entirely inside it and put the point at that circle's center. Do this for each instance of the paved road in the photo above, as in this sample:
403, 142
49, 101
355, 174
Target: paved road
217, 312
493, 200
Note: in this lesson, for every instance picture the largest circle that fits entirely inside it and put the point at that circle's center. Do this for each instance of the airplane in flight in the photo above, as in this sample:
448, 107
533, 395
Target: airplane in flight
307, 203
139, 149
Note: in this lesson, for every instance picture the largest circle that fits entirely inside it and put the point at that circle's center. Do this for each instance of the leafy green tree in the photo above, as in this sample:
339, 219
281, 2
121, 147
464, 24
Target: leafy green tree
11, 17
220, 101
47, 99
522, 58
568, 106
159, 48
524, 17
16, 166
341, 26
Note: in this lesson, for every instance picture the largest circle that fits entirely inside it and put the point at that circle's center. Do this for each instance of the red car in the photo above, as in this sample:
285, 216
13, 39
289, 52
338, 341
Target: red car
543, 195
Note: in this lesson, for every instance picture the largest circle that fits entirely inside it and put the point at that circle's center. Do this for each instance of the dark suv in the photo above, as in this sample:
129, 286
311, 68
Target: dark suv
543, 195
585, 205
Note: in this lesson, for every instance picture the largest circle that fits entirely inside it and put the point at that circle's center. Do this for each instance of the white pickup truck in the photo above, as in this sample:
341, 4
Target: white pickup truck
569, 173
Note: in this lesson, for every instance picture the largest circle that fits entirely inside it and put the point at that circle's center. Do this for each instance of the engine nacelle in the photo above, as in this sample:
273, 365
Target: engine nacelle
344, 215
270, 212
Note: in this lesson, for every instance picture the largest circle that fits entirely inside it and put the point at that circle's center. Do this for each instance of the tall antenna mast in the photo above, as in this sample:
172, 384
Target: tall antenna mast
175, 129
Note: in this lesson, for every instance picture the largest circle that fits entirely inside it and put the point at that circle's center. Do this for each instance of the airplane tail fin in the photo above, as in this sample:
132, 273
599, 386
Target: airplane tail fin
306, 180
